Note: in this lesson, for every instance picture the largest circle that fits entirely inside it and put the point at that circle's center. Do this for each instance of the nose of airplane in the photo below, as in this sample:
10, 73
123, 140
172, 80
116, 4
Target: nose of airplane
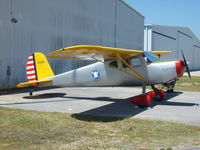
180, 68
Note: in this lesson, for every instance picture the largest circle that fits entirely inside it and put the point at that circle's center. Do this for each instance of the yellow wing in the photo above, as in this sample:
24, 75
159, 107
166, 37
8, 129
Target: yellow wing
40, 82
88, 51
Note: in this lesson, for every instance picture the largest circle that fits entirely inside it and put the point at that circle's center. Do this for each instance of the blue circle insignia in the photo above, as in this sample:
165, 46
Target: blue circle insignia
96, 74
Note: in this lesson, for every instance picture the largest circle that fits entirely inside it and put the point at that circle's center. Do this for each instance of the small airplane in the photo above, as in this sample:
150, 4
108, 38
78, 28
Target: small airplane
114, 67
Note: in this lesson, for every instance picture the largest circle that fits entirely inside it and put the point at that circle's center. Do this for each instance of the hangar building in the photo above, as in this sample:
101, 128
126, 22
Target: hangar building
47, 25
175, 39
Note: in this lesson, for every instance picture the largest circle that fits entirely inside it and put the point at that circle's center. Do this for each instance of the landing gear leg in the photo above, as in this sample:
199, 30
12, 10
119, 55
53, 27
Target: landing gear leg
144, 89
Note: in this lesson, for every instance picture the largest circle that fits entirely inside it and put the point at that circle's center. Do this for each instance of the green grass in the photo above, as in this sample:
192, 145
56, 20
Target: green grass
185, 84
20, 129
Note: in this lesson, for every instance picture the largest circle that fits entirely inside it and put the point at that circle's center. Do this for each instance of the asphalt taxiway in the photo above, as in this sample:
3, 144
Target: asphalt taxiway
182, 107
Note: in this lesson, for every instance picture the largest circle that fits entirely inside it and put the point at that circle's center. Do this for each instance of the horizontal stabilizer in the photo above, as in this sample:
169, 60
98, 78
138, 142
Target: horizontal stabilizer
32, 83
161, 53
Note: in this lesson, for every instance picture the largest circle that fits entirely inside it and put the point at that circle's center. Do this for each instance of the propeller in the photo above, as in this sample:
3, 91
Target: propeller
186, 65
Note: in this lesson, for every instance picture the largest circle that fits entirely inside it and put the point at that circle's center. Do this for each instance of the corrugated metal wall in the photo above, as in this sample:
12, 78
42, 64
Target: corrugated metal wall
174, 39
196, 56
47, 25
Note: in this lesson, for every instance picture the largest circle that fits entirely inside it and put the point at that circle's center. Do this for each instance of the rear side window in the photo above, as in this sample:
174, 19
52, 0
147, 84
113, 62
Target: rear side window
114, 63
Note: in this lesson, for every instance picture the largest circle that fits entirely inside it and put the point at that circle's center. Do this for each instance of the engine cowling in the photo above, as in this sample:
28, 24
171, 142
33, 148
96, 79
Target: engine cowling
163, 72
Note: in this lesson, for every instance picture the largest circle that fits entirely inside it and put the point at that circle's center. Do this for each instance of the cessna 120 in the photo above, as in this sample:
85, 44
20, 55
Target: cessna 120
114, 67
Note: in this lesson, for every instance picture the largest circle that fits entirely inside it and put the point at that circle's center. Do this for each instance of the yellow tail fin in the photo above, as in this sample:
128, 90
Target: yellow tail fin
43, 69
37, 70
38, 67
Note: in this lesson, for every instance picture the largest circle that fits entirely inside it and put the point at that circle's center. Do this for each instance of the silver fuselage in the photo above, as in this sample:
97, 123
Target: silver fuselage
100, 74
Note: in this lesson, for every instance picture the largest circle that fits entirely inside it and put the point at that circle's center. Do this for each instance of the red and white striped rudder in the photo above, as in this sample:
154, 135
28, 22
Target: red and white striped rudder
31, 69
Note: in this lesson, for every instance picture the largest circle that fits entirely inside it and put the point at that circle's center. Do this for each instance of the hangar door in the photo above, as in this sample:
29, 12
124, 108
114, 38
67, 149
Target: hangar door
185, 44
196, 60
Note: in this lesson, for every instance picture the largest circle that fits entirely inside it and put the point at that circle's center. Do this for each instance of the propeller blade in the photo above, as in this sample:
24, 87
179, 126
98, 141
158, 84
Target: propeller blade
188, 71
186, 65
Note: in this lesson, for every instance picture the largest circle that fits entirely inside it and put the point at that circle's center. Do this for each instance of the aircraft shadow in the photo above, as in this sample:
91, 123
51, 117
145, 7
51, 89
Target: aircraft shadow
96, 118
168, 97
122, 108
23, 90
46, 95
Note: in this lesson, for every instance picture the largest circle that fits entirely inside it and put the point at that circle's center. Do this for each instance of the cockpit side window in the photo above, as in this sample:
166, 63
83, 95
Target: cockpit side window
136, 62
